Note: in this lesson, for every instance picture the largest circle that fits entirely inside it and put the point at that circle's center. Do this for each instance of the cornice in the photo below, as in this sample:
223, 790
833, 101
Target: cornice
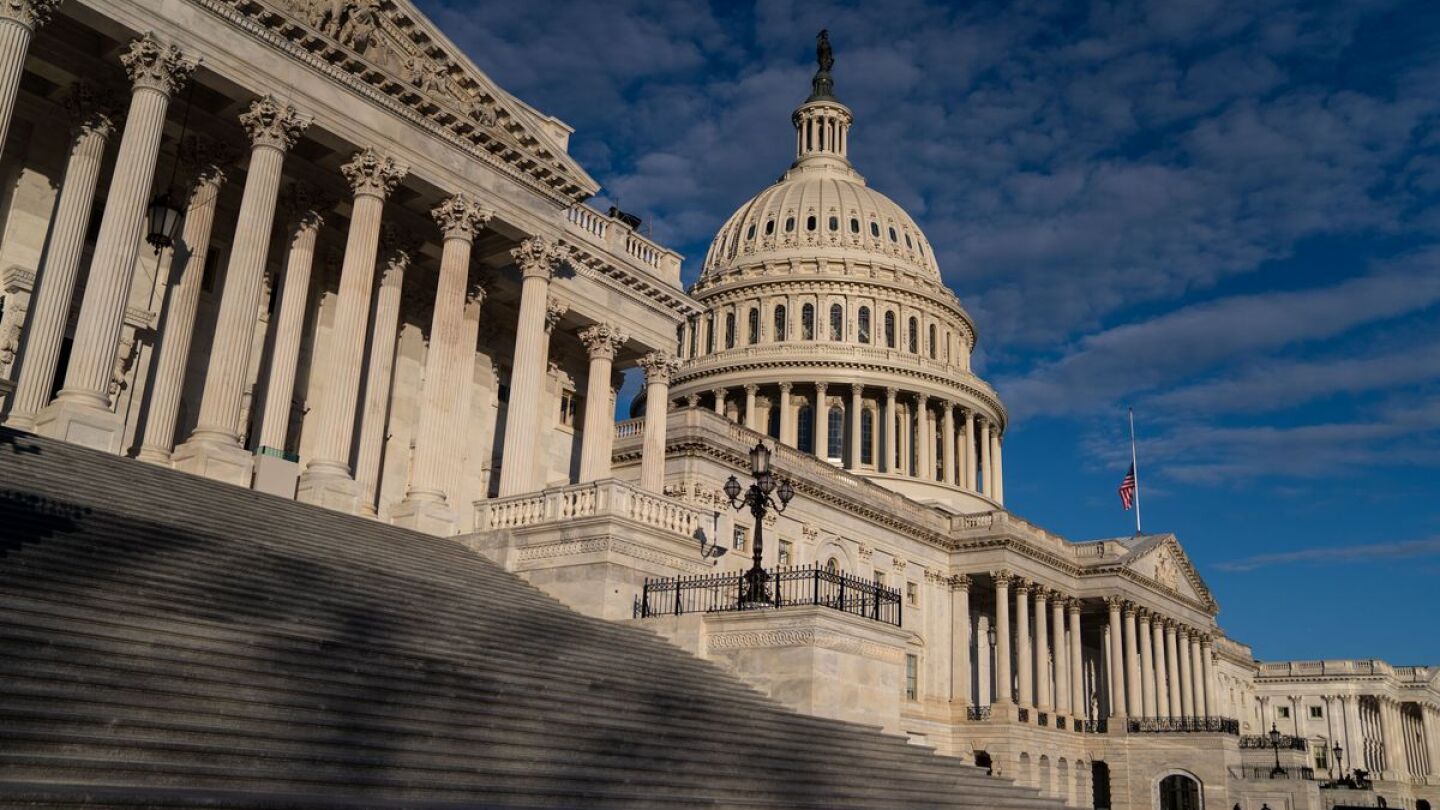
669, 300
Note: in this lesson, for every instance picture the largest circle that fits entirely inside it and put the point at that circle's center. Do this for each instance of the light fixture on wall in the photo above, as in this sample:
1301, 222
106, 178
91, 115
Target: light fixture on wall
1275, 743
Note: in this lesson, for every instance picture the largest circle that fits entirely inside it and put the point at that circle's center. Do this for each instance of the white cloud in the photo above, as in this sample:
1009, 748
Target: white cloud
1349, 555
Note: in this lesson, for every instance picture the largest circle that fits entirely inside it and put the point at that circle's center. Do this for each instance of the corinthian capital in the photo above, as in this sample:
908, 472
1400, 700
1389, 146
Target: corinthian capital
460, 217
30, 13
273, 123
305, 206
92, 108
538, 256
602, 340
372, 173
658, 367
554, 311
154, 66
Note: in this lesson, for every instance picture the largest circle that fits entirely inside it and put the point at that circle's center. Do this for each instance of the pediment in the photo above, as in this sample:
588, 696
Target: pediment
391, 47
1164, 562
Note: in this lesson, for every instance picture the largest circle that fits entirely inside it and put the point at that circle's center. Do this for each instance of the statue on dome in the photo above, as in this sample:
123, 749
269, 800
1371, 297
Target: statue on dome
822, 87
823, 55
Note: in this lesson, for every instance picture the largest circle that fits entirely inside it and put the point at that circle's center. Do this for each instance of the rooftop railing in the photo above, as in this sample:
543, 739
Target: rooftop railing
617, 237
1183, 725
1287, 743
608, 498
788, 587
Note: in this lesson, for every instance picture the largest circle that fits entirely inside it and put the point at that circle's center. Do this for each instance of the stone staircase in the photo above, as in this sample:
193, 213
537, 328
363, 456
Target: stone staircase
166, 641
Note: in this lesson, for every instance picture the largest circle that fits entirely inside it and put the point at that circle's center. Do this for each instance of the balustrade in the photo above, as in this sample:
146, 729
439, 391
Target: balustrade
609, 498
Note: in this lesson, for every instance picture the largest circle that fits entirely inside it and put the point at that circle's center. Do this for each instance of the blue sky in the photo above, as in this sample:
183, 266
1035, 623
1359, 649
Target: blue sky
1225, 214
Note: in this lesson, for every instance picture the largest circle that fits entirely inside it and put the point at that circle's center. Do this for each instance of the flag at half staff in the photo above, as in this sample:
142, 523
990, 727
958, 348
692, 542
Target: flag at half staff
1127, 489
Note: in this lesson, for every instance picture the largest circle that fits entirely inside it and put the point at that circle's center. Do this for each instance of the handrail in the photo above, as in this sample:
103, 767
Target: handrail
802, 585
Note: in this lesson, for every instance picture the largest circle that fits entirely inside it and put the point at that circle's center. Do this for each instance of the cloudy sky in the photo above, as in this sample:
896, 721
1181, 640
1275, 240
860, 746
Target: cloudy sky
1224, 213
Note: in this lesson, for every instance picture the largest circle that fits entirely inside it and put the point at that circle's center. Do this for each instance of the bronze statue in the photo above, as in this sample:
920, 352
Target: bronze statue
823, 55
822, 87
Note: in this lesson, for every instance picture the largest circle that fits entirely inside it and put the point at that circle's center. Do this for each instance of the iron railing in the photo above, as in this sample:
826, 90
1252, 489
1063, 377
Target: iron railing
1266, 772
1097, 726
802, 585
1287, 743
1172, 725
978, 714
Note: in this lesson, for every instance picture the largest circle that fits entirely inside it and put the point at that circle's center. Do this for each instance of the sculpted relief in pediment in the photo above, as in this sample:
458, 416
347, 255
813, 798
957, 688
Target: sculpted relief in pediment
1167, 571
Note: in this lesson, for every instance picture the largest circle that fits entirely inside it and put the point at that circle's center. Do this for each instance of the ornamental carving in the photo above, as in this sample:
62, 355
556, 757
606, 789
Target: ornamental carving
658, 367
602, 340
372, 173
555, 309
460, 217
475, 296
205, 160
272, 123
305, 205
155, 66
30, 13
1167, 572
538, 256
94, 109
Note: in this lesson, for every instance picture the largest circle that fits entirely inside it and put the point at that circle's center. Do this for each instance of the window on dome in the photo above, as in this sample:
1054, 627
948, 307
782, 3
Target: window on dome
889, 330
907, 241
914, 336
780, 322
805, 429
875, 229
864, 325
694, 335
932, 341
810, 223
750, 232
770, 227
789, 225
893, 237
920, 246
867, 436
752, 326
834, 223
807, 322
709, 334
835, 441
729, 330
837, 322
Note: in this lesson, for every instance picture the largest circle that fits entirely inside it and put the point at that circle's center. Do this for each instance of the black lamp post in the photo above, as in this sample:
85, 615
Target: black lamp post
758, 499
1275, 743
1339, 763
162, 219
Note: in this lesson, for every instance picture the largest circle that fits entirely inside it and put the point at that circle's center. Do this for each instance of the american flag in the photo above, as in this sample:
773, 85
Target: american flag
1127, 489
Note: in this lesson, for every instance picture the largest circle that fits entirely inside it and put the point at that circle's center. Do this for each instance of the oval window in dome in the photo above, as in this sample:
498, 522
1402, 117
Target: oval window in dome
834, 223
875, 229
854, 225
770, 227
920, 246
907, 241
750, 232
789, 225
893, 237
810, 223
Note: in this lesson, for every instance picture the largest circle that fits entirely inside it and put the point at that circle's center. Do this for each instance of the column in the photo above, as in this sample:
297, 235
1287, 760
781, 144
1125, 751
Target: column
1003, 686
1117, 659
1187, 683
82, 413
750, 391
1391, 741
1350, 705
187, 268
305, 211
1042, 651
987, 479
18, 21
1024, 655
1147, 666
1197, 672
856, 403
658, 368
960, 640
1207, 677
890, 438
380, 375
924, 440
719, 394
1172, 666
537, 259
1077, 662
50, 307
601, 341
984, 656
997, 461
1432, 737
213, 449
1162, 689
326, 480
787, 416
1133, 703
1061, 653
822, 423
948, 443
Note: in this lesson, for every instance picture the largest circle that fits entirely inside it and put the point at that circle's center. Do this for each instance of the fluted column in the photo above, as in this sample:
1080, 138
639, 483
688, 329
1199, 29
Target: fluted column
967, 456
1077, 662
1042, 650
658, 366
856, 403
751, 389
601, 342
787, 416
960, 640
1003, 684
997, 467
81, 413
1162, 676
890, 437
1172, 666
822, 423
305, 216
326, 479
1207, 677
1024, 654
213, 449
18, 21
1187, 683
924, 440
1061, 654
947, 444
537, 259
1133, 702
987, 477
1147, 665
1350, 707
1197, 673
50, 306
380, 374
719, 395
188, 270
1391, 739
1117, 660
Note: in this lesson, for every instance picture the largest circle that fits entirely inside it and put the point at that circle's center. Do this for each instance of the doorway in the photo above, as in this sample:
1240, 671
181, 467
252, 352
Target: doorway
1179, 792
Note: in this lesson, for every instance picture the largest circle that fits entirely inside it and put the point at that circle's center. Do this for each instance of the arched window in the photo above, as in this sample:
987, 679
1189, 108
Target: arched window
807, 322
914, 336
752, 326
864, 325
750, 232
805, 429
854, 225
832, 566
772, 422
834, 223
867, 436
780, 322
932, 341
770, 227
710, 334
694, 335
875, 229
835, 427
889, 330
789, 225
893, 238
729, 330
837, 322
907, 241
810, 223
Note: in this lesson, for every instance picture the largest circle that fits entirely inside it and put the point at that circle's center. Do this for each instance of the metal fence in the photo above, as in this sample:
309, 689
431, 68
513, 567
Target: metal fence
1168, 725
802, 585
1287, 743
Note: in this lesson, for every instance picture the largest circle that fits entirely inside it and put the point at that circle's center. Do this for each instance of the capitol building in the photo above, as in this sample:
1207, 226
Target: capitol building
314, 495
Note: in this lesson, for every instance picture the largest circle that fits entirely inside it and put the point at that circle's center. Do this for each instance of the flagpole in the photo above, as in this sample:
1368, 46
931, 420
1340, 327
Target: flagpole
1135, 465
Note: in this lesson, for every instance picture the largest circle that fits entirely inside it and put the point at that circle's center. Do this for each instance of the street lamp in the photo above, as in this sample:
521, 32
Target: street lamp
758, 499
1339, 763
1275, 743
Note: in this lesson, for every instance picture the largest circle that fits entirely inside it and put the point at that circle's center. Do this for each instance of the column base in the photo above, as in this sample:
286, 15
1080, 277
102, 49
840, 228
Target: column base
275, 475
154, 455
81, 423
228, 463
330, 490
429, 517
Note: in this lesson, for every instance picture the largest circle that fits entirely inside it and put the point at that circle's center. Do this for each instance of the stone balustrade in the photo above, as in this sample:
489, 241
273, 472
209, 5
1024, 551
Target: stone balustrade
617, 237
607, 498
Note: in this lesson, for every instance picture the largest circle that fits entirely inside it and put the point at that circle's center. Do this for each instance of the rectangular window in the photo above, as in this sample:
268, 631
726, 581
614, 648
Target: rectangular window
880, 578
741, 535
912, 594
567, 408
912, 677
1317, 712
1282, 711
784, 553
